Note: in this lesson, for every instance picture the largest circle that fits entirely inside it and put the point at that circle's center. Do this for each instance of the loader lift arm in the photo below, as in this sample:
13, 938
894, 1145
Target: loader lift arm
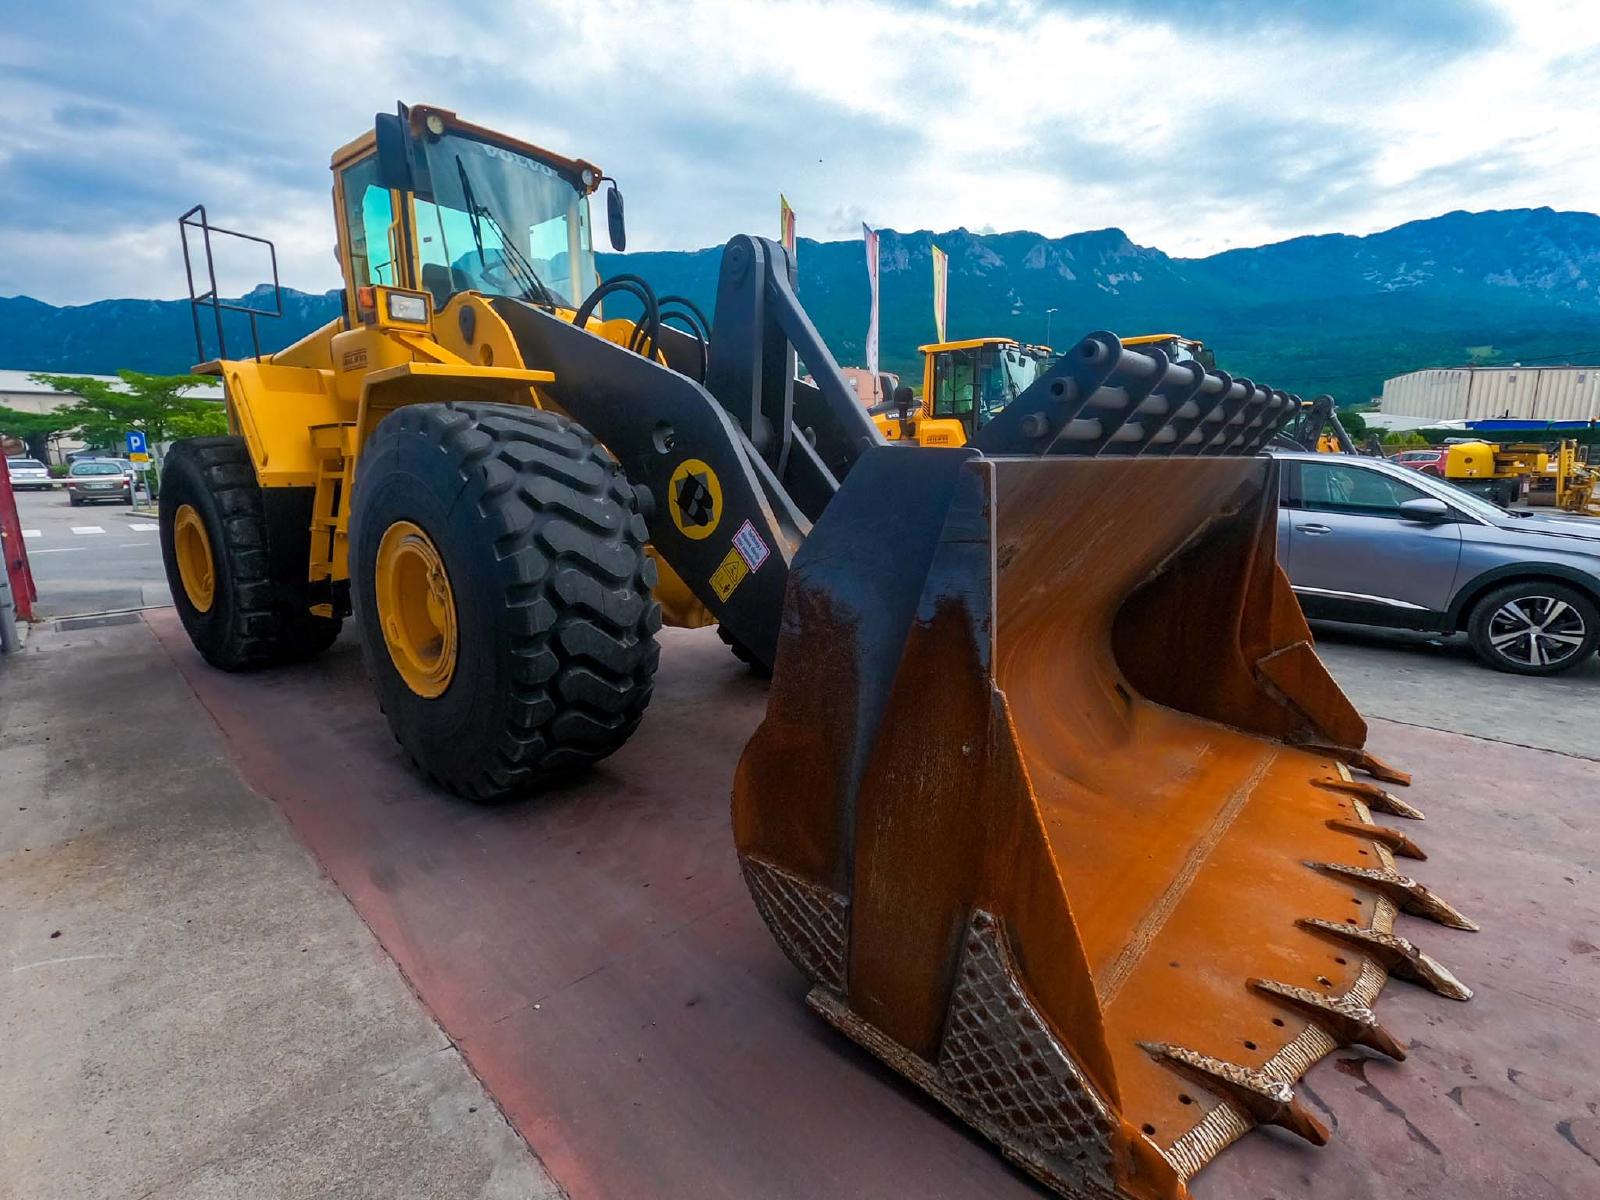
768, 449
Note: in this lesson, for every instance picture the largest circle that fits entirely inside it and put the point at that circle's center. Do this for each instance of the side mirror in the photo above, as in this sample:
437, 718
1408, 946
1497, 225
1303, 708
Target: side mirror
904, 400
394, 155
614, 219
1425, 509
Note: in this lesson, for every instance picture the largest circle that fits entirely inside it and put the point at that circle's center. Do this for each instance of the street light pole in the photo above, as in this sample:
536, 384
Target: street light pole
1047, 315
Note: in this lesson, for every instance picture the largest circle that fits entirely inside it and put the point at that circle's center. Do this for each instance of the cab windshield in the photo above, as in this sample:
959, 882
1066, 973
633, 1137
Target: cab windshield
504, 224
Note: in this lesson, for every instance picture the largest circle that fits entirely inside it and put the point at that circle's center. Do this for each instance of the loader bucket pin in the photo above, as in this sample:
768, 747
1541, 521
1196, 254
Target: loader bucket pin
1046, 752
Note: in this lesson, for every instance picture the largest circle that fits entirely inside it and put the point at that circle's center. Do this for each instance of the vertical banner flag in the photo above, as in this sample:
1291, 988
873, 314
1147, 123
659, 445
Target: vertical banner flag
871, 236
786, 224
941, 291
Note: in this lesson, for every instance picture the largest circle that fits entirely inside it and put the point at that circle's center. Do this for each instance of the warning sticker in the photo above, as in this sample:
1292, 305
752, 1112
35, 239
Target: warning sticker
730, 574
694, 497
750, 546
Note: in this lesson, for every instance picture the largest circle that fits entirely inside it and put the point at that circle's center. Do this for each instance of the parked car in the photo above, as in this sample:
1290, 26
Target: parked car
1376, 543
28, 474
1429, 461
94, 479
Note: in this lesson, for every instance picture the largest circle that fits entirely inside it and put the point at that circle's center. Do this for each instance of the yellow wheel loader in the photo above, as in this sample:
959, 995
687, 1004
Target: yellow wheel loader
1053, 802
964, 384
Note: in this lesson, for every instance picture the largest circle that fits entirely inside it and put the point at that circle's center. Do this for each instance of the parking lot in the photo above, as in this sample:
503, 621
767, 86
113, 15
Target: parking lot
93, 558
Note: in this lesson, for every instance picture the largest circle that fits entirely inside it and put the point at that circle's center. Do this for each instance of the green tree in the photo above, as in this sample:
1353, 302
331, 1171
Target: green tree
156, 405
36, 429
1354, 423
212, 421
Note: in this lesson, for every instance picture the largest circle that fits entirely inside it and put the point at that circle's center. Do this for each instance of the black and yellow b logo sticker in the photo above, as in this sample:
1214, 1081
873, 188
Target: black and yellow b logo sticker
694, 496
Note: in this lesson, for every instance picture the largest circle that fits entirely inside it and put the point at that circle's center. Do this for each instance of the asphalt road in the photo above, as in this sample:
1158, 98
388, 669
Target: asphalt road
95, 558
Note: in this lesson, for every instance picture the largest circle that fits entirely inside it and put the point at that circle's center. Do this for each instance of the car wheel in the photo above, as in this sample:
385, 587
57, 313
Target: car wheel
1534, 628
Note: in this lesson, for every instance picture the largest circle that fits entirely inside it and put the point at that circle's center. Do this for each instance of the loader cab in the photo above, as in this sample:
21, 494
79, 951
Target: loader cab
429, 203
967, 383
1178, 348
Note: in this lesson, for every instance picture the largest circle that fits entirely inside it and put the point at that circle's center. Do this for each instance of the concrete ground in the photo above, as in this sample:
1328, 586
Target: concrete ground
94, 558
1436, 683
194, 1008
188, 1007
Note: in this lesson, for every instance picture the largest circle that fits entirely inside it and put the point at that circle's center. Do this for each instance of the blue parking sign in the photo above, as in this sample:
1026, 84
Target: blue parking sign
136, 443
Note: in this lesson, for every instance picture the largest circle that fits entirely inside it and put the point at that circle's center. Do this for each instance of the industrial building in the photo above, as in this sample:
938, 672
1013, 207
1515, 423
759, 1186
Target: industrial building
1472, 393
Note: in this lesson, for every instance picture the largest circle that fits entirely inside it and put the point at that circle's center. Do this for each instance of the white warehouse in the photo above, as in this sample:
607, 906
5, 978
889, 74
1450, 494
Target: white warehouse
1474, 393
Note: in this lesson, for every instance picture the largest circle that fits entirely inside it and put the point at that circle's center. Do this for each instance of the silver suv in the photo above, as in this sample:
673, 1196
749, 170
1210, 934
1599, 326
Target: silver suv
1367, 541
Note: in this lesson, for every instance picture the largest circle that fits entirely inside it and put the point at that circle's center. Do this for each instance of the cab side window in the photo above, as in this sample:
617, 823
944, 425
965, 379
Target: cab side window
955, 373
368, 215
1333, 487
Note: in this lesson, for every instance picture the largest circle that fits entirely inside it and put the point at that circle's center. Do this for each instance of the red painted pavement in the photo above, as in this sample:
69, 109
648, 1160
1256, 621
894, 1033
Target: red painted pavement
596, 957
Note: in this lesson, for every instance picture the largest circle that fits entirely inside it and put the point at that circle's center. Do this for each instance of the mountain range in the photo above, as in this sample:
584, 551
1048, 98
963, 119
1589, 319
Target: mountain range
1330, 313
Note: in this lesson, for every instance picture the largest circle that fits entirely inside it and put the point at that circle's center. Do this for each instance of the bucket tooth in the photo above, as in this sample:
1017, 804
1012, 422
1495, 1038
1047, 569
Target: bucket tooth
1369, 764
1346, 1018
1399, 956
1382, 834
1375, 797
1378, 769
1265, 1100
1403, 890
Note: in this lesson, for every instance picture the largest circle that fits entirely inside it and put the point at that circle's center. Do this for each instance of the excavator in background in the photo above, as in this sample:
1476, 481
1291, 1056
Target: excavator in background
1106, 899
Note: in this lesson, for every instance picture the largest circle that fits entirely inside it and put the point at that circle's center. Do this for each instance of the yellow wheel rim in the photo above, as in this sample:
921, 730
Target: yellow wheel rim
191, 545
416, 609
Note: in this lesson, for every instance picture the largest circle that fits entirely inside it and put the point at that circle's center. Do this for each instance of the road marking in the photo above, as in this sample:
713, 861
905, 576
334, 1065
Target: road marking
32, 533
56, 962
83, 529
143, 526
126, 545
60, 550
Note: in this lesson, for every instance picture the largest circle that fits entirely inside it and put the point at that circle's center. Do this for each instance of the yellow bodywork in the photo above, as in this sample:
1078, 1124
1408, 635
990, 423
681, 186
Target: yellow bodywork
1575, 482
1487, 460
307, 411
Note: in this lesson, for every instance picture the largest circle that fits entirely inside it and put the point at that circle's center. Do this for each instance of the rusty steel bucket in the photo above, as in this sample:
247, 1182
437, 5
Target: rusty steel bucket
1053, 804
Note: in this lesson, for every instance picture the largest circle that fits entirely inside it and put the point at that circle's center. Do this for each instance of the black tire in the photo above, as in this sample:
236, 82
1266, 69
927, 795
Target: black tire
1493, 628
540, 536
744, 654
258, 616
74, 501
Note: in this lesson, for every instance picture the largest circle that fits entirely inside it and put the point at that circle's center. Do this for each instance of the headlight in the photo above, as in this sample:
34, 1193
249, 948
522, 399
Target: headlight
409, 307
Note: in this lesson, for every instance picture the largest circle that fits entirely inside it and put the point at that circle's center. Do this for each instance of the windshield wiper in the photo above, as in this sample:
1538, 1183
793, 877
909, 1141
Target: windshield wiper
517, 264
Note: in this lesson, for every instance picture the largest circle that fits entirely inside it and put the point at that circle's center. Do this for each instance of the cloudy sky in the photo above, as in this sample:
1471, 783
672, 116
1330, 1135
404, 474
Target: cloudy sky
1193, 125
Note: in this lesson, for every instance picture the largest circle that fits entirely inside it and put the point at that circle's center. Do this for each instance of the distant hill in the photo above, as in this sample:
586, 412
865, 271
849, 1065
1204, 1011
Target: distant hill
1328, 313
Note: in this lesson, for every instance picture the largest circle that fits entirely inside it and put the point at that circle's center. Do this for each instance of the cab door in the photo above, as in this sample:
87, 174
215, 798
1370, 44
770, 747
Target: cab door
1352, 554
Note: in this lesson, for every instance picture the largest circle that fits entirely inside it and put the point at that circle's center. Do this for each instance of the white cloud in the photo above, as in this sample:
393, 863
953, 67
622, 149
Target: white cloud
1191, 134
